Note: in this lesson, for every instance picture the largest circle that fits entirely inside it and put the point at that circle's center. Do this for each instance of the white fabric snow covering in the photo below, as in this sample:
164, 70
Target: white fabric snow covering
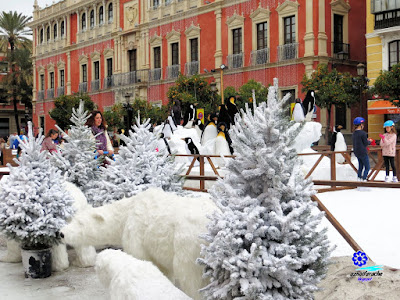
128, 278
154, 225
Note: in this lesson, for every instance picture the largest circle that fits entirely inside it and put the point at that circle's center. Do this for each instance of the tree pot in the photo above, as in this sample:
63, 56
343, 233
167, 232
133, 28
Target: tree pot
37, 263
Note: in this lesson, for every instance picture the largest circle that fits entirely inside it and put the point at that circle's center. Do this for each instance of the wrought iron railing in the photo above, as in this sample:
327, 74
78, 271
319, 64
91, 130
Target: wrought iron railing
50, 94
192, 68
173, 71
40, 95
60, 91
260, 57
155, 74
288, 51
95, 85
387, 19
108, 82
235, 60
83, 87
340, 50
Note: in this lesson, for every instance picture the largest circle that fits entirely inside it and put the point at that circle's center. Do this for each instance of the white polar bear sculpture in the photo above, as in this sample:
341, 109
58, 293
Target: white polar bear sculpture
126, 277
86, 256
154, 225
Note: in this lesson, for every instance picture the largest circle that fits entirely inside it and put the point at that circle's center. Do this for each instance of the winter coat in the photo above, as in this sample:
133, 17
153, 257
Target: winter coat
388, 144
360, 143
48, 145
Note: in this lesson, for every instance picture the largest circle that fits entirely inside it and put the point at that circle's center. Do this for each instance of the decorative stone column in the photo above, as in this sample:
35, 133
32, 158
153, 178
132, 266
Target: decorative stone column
218, 48
69, 73
322, 37
309, 36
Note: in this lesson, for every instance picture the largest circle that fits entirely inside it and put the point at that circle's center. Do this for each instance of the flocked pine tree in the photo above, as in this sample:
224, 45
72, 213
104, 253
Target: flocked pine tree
264, 244
138, 165
76, 159
34, 206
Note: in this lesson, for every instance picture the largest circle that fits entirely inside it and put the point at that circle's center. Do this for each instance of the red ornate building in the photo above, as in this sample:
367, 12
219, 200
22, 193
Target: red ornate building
110, 48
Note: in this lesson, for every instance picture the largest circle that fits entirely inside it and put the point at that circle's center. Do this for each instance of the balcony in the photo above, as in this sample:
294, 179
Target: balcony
83, 87
288, 51
378, 6
50, 94
340, 51
60, 91
387, 19
108, 82
173, 71
235, 60
40, 95
167, 8
260, 57
95, 85
191, 68
155, 74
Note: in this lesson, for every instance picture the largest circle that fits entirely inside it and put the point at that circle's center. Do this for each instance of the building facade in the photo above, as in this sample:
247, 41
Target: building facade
111, 48
383, 51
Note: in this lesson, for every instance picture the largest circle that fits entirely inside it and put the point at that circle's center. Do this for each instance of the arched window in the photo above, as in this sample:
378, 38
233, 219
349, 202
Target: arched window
101, 15
92, 18
62, 29
55, 31
41, 36
84, 21
48, 33
110, 13
394, 53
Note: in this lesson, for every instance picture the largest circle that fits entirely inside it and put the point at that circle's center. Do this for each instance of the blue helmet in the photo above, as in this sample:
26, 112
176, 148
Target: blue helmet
388, 123
358, 121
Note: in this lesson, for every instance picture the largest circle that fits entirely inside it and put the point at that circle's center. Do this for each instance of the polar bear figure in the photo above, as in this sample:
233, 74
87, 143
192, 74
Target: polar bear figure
126, 277
157, 226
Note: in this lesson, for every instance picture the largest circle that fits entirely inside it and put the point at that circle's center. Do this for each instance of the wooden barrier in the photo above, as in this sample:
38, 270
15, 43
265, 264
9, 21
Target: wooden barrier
8, 157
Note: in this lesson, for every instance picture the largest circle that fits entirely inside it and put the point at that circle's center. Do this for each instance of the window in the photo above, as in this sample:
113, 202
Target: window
394, 49
41, 36
156, 3
42, 123
83, 21
52, 80
84, 73
109, 67
289, 30
175, 54
4, 127
132, 60
96, 70
337, 33
101, 15
55, 31
42, 82
62, 78
292, 94
48, 33
157, 57
237, 40
262, 36
194, 49
62, 29
110, 13
340, 115
92, 19
3, 67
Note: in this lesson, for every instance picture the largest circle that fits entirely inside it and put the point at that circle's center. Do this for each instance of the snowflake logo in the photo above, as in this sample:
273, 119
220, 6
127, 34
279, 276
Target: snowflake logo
360, 258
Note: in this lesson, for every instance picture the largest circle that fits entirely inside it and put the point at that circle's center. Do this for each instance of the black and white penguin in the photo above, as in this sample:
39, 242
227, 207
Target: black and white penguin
210, 131
298, 111
167, 129
232, 109
221, 145
191, 147
338, 143
223, 116
190, 116
199, 126
222, 128
308, 105
163, 143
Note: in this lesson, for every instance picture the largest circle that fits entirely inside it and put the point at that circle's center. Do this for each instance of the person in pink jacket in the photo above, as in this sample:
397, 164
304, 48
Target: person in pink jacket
388, 145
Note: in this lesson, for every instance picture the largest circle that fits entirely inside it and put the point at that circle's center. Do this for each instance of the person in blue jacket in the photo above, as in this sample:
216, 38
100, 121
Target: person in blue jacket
360, 143
15, 144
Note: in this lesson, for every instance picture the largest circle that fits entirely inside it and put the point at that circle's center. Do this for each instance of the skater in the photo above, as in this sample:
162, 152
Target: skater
360, 143
388, 145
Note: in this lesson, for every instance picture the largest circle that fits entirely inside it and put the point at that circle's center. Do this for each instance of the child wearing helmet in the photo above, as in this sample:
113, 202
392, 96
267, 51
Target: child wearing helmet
388, 145
360, 143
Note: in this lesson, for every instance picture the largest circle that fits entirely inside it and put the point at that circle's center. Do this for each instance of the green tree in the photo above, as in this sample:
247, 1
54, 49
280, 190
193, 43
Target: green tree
62, 111
115, 116
331, 88
13, 32
387, 85
194, 89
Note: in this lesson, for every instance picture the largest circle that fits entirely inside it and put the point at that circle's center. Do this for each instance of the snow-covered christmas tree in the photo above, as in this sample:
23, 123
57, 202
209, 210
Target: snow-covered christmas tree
34, 206
77, 157
137, 166
264, 244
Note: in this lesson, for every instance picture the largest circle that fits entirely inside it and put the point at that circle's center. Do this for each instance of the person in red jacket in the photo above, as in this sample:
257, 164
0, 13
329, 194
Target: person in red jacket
388, 145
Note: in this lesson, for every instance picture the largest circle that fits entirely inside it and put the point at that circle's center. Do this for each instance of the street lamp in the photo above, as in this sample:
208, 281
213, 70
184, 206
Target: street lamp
221, 69
129, 109
362, 83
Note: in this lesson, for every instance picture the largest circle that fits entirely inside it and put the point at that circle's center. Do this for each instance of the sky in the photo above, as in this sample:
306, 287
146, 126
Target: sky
23, 6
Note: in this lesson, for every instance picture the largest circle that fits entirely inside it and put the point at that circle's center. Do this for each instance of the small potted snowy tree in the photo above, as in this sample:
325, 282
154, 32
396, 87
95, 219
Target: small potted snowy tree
34, 206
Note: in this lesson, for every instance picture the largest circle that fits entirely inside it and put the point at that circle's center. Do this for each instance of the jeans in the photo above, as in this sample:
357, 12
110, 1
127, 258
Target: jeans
363, 163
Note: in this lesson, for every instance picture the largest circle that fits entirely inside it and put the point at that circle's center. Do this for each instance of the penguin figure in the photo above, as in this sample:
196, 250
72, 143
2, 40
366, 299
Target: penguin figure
167, 129
223, 116
338, 143
176, 112
190, 116
199, 126
191, 147
172, 123
308, 105
221, 146
298, 111
232, 109
163, 143
210, 132
222, 128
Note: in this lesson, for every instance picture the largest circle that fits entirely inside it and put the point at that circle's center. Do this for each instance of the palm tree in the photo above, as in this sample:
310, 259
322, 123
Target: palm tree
13, 35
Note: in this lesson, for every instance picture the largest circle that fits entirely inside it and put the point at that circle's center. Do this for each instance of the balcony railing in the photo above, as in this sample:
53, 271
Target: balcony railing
173, 71
260, 57
235, 60
387, 19
192, 68
108, 82
378, 6
40, 95
60, 91
340, 50
83, 87
50, 94
95, 85
155, 74
288, 51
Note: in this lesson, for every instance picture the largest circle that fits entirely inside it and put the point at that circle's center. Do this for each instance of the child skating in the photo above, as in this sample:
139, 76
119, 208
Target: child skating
388, 145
